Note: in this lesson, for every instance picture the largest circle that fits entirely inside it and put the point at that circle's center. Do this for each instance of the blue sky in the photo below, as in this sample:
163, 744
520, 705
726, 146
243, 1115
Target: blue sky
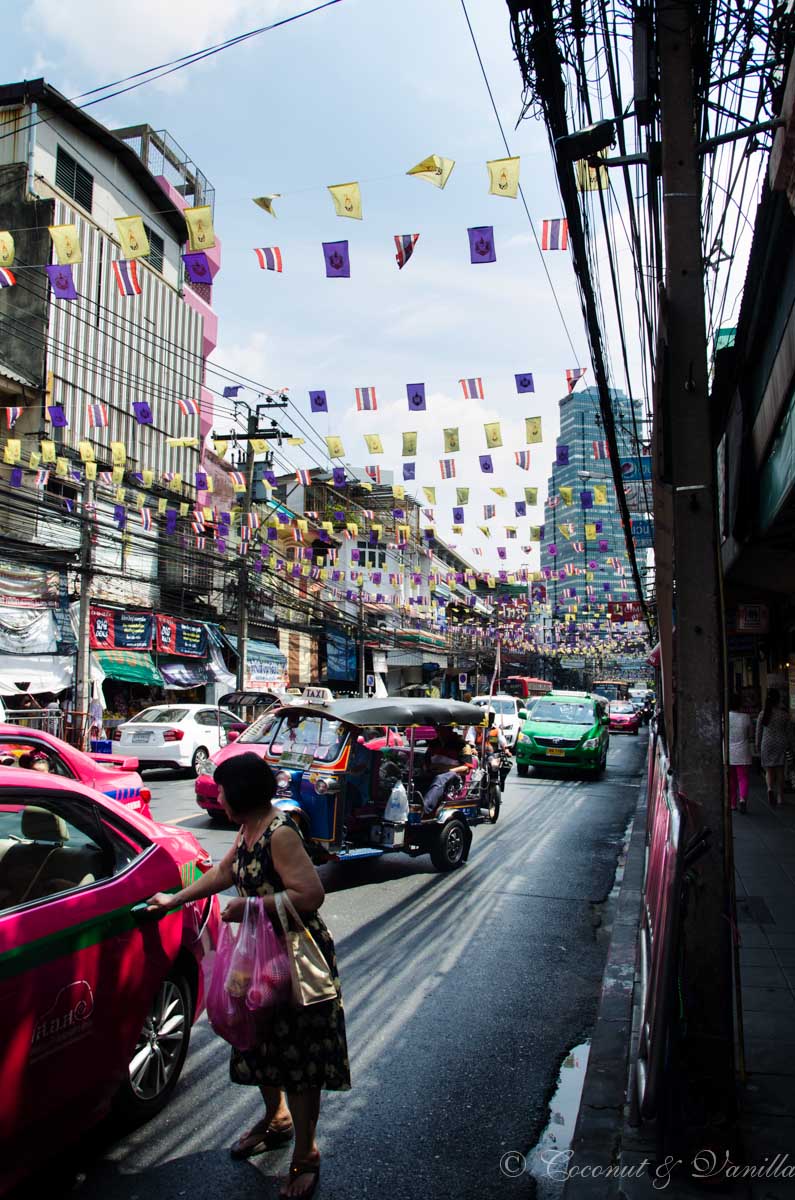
360, 91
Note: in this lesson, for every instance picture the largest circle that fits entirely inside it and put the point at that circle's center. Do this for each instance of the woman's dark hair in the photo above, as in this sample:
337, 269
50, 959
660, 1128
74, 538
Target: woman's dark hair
771, 701
248, 782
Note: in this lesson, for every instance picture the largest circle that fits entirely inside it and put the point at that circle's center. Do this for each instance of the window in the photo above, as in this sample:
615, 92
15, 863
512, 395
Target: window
160, 716
374, 557
73, 179
157, 249
34, 755
45, 853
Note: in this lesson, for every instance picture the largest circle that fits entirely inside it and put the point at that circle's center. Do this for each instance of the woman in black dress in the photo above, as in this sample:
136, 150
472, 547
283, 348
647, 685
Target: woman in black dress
303, 1050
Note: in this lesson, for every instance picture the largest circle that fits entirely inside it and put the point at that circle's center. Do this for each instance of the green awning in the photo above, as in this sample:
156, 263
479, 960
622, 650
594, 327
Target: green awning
132, 666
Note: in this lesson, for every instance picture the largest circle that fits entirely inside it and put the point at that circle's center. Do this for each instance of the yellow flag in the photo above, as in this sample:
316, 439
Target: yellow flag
328, 526
434, 168
140, 500
590, 531
500, 492
208, 513
201, 235
220, 446
531, 495
86, 451
176, 484
118, 454
34, 460
335, 447
430, 494
347, 199
6, 249
258, 445
532, 426
132, 236
566, 494
398, 491
178, 442
117, 475
120, 496
493, 434
239, 485
91, 471
458, 529
373, 441
462, 496
377, 529
402, 532
211, 486
12, 453
302, 524
365, 485
600, 493
266, 202
409, 444
352, 528
162, 505
295, 441
591, 179
148, 477
66, 243
183, 509
452, 441
62, 468
503, 177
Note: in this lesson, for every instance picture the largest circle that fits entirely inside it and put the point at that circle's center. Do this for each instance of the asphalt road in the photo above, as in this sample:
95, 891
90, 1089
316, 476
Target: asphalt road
463, 993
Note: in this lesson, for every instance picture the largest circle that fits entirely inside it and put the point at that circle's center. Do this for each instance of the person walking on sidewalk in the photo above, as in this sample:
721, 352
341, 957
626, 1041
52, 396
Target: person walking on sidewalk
773, 740
740, 739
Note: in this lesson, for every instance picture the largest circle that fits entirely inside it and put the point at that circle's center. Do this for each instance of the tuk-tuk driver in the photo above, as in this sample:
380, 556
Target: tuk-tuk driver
447, 756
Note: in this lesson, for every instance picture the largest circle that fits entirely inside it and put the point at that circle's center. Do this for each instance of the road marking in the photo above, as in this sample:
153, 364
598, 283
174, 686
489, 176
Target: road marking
178, 820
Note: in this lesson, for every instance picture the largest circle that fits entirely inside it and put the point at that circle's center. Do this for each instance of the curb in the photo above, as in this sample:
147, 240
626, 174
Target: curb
596, 1143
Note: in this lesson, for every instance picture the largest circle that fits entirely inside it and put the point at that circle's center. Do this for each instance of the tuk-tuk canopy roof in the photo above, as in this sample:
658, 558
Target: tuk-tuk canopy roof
404, 711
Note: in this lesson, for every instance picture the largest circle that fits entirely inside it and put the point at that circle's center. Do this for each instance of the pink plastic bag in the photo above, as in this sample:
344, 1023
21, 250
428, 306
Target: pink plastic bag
227, 1010
271, 984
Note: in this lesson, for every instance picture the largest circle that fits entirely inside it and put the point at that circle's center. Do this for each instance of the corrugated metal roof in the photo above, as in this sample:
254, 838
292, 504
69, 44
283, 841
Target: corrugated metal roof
14, 377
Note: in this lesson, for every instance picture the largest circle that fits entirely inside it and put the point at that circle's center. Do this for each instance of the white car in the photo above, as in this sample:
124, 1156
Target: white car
175, 735
506, 714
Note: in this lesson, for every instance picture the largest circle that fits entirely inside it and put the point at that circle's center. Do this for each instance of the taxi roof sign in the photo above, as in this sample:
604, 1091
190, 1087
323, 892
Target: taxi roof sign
317, 695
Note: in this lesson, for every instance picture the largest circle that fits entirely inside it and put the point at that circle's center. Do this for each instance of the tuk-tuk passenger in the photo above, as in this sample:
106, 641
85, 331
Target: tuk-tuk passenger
447, 756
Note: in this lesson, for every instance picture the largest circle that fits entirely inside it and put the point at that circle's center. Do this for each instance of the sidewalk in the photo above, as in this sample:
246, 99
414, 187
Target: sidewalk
764, 851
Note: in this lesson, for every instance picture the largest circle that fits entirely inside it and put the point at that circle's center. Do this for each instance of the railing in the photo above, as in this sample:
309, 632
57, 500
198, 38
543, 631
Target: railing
71, 727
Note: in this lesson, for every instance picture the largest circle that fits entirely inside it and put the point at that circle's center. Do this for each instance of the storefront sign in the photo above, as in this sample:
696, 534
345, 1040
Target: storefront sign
27, 587
643, 532
26, 632
181, 637
752, 618
634, 469
117, 629
625, 610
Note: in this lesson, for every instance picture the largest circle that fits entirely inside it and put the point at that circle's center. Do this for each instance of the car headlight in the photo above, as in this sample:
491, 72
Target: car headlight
283, 779
591, 744
205, 767
524, 737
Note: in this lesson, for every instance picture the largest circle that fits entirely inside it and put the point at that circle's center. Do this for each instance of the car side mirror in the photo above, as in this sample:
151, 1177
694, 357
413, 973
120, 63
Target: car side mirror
523, 714
232, 735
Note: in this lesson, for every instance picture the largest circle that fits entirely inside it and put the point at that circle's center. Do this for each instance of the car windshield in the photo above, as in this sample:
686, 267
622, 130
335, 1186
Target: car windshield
260, 731
307, 734
500, 705
563, 713
160, 716
621, 706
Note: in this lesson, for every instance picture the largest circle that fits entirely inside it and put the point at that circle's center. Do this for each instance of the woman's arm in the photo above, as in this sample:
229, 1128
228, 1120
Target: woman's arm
294, 867
217, 879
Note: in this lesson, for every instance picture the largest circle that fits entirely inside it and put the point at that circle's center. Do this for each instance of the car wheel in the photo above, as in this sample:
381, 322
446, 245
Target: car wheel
494, 804
522, 769
159, 1055
200, 756
449, 848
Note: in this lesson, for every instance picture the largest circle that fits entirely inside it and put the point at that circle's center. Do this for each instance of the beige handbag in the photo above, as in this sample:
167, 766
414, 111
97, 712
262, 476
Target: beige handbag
312, 982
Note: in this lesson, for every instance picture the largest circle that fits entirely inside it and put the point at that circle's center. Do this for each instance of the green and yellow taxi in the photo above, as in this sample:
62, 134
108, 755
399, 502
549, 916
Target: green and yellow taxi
564, 729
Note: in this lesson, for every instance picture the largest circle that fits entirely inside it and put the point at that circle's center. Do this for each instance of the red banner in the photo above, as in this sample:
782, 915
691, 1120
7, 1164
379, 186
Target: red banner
625, 610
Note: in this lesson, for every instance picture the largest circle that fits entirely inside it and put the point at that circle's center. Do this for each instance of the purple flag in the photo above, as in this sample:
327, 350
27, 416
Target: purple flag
62, 281
220, 545
586, 499
171, 520
520, 508
57, 416
197, 267
409, 470
120, 515
232, 390
318, 402
339, 477
562, 459
338, 263
603, 545
142, 412
458, 516
201, 481
272, 534
502, 552
416, 396
481, 244
524, 383
16, 477
552, 551
486, 465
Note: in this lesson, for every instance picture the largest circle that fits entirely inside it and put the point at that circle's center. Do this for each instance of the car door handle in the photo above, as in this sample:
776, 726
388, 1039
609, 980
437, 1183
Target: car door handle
142, 913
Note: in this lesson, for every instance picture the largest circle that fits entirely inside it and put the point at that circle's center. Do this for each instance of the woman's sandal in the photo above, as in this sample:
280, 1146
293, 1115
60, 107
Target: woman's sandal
309, 1166
259, 1139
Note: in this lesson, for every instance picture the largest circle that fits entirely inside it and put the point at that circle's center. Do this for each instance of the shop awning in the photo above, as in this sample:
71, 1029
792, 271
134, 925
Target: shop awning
183, 673
266, 665
131, 666
37, 673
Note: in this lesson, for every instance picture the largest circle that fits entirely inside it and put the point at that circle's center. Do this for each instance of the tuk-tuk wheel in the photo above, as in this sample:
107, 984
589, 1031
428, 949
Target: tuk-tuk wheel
449, 849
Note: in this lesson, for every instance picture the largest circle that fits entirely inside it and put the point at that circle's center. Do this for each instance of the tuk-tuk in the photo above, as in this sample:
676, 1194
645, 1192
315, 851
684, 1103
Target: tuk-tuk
352, 774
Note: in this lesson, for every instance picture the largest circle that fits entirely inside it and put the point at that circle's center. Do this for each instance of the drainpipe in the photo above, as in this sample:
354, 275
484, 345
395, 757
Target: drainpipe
33, 121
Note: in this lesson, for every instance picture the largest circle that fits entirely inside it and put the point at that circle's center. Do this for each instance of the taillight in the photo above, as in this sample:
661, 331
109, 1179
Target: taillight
116, 735
173, 735
145, 795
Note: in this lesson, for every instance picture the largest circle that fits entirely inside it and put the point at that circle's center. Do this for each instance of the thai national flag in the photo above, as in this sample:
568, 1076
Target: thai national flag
365, 399
127, 277
447, 468
7, 278
405, 243
146, 519
97, 416
601, 450
13, 413
303, 477
489, 511
573, 374
269, 258
201, 543
238, 480
523, 459
42, 478
472, 388
555, 234
374, 473
188, 407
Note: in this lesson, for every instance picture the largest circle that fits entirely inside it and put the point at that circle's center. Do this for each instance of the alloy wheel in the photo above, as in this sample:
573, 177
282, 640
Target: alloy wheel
158, 1052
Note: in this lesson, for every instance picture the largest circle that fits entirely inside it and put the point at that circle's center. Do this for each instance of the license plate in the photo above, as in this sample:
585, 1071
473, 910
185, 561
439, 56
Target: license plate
140, 737
555, 753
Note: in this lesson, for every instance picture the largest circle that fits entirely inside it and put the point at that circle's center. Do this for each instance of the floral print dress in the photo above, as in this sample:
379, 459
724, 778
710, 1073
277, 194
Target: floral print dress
301, 1048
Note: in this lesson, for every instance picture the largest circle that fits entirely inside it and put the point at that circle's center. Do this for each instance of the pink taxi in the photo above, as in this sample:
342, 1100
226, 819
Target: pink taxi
114, 774
97, 997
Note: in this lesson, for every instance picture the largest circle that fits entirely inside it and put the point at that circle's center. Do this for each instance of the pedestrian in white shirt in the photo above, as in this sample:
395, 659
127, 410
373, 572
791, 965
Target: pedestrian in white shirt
773, 740
740, 739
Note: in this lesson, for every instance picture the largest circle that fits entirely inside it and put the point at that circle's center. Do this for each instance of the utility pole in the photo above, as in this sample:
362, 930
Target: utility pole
362, 670
706, 1057
83, 664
